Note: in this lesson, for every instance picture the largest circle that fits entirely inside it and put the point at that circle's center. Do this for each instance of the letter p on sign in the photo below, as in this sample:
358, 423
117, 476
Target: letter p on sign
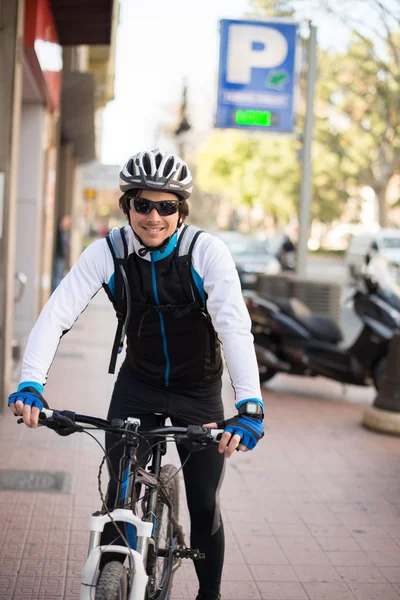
253, 47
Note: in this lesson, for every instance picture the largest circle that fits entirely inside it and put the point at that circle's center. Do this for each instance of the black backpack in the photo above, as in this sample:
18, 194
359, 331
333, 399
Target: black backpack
122, 299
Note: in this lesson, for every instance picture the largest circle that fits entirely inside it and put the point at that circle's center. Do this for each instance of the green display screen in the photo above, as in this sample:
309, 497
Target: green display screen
261, 118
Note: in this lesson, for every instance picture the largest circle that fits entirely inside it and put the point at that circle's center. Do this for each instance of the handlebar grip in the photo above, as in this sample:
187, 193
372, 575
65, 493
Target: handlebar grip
216, 434
45, 413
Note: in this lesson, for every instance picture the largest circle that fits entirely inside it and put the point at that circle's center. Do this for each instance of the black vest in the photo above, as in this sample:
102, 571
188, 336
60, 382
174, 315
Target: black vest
170, 338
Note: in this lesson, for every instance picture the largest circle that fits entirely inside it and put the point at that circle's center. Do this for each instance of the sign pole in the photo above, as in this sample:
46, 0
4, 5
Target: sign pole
306, 181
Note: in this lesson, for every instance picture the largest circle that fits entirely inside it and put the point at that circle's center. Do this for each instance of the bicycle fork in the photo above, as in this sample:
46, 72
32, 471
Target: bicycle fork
90, 570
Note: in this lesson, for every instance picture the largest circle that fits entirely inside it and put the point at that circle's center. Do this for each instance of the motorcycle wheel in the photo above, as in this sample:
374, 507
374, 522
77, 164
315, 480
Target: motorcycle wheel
265, 373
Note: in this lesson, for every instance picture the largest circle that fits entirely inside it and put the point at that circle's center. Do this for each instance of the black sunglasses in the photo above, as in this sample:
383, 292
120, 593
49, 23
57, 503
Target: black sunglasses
164, 208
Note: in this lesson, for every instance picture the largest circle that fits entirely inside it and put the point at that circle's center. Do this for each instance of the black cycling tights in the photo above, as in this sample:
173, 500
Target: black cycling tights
203, 472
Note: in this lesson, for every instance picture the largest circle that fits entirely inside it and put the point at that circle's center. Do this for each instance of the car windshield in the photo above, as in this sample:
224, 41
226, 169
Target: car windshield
391, 242
274, 244
246, 246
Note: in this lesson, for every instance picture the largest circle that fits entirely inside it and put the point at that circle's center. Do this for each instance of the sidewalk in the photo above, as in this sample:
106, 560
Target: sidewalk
312, 514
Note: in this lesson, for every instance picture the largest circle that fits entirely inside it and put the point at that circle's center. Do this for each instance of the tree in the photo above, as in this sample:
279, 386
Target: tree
250, 170
366, 93
361, 87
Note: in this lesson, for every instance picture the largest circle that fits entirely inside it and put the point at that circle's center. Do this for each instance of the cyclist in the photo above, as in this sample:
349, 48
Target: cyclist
173, 363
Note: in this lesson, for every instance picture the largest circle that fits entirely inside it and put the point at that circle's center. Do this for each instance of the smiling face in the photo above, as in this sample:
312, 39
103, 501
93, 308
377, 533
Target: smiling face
152, 228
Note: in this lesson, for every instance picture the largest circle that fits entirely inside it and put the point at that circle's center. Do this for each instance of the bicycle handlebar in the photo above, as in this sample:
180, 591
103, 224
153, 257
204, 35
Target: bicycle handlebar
192, 432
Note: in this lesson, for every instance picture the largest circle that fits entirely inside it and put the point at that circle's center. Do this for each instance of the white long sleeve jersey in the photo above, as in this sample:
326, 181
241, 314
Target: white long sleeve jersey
212, 262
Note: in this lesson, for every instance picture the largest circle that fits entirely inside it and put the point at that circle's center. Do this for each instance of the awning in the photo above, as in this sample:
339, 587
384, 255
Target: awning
77, 114
83, 22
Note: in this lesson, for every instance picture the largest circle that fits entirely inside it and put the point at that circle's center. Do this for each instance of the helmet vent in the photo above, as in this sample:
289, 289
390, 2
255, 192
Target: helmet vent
183, 174
158, 160
147, 164
129, 166
168, 167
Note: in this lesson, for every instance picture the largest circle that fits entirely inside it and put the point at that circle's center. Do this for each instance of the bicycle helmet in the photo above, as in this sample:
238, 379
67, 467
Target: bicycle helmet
157, 170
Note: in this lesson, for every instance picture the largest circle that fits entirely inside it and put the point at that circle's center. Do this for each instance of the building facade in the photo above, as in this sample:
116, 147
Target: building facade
56, 75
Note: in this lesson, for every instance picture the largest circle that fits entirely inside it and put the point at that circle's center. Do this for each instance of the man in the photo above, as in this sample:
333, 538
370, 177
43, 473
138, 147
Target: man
173, 362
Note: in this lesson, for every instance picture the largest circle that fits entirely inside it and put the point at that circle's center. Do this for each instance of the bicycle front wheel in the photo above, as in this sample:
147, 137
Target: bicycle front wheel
160, 562
113, 582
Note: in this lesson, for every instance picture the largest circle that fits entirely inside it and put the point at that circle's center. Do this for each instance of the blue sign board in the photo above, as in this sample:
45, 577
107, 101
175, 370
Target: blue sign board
257, 75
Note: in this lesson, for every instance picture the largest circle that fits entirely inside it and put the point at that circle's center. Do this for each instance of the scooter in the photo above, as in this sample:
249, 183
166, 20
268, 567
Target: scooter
289, 339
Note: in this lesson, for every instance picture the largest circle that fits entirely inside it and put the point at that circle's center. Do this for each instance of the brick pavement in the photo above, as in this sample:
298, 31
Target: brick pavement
311, 514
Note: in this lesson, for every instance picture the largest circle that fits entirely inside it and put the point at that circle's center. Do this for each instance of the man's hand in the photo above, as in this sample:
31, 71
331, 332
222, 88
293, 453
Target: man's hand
247, 430
27, 403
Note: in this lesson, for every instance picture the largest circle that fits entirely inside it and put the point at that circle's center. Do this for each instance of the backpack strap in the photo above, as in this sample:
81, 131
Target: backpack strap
122, 300
183, 253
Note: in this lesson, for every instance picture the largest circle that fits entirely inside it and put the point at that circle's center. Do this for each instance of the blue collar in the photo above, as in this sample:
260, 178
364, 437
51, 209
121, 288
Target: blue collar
160, 254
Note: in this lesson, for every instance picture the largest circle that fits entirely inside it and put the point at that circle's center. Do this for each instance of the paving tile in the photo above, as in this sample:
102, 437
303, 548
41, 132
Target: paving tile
313, 573
374, 591
378, 544
73, 586
385, 559
273, 573
361, 574
233, 556
309, 557
282, 530
355, 559
257, 530
392, 574
325, 531
240, 590
271, 590
28, 583
8, 567
74, 568
338, 544
236, 573
369, 531
7, 583
328, 591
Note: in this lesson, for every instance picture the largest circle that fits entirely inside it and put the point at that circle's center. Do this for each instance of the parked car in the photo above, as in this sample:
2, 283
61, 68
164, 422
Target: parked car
364, 246
250, 255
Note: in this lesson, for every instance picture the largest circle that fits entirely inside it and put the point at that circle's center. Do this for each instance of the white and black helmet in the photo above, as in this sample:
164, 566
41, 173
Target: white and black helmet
157, 170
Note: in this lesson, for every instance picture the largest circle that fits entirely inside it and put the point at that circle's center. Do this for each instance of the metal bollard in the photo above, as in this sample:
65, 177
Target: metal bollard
384, 414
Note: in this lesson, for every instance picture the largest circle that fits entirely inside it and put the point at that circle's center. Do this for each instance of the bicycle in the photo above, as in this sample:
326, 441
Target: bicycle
155, 544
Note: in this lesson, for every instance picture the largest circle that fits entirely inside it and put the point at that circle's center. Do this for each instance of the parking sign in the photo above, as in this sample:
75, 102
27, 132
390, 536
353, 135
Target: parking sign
257, 75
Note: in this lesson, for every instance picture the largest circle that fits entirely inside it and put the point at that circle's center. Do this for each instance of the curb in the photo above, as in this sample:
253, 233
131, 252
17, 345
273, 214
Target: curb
385, 421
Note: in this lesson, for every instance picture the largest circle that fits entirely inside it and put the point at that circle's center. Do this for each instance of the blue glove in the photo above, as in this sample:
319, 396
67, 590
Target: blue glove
28, 395
250, 429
